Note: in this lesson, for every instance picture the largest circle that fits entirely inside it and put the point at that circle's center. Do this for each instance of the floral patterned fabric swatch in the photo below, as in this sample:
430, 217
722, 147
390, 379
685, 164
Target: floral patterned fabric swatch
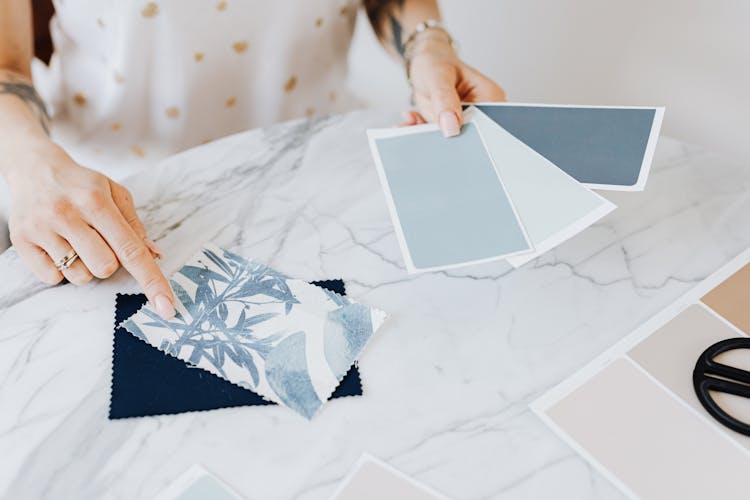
285, 339
147, 382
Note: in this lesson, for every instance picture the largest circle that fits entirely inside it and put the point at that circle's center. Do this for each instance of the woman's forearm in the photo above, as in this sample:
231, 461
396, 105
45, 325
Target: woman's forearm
22, 117
440, 81
395, 20
16, 36
22, 112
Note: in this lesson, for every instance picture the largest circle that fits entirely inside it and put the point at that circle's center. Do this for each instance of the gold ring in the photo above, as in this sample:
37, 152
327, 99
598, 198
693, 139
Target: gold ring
66, 260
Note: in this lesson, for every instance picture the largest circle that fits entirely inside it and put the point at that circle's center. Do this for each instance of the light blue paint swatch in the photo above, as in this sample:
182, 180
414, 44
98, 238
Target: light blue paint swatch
552, 205
197, 484
206, 487
450, 202
604, 146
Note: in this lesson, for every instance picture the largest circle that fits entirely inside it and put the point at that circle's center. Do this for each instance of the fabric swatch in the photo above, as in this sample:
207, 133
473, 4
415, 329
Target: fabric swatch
447, 202
287, 340
553, 206
147, 382
606, 148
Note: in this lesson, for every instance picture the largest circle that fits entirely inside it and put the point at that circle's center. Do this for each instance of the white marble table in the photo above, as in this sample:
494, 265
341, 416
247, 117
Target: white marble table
447, 381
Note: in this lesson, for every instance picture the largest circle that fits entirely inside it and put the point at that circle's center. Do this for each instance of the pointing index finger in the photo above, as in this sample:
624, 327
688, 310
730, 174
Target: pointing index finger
136, 257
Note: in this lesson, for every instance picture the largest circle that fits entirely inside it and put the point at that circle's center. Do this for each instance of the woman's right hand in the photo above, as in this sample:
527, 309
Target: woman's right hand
58, 205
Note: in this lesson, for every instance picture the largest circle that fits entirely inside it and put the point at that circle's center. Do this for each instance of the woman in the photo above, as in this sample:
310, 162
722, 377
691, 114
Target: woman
152, 78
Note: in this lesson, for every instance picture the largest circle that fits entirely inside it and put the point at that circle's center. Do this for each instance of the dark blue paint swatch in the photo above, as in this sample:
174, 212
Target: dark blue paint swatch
146, 381
592, 145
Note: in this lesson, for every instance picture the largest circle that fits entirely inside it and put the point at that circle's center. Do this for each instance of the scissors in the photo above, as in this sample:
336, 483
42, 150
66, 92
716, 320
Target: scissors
711, 376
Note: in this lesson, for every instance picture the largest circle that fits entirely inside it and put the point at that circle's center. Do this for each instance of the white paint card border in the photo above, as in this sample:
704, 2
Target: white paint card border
564, 235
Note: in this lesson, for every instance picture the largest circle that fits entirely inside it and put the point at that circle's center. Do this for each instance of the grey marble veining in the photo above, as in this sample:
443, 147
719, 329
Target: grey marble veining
447, 380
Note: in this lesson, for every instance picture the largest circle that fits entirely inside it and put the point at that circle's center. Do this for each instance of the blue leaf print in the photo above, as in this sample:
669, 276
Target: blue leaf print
240, 321
204, 296
271, 287
201, 275
223, 312
161, 322
282, 294
243, 358
345, 334
235, 258
182, 295
250, 365
238, 313
215, 321
196, 355
337, 299
216, 260
261, 346
133, 328
218, 350
286, 372
259, 318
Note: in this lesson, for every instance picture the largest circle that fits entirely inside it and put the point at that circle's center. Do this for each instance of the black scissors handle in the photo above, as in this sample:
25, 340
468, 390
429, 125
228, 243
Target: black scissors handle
712, 376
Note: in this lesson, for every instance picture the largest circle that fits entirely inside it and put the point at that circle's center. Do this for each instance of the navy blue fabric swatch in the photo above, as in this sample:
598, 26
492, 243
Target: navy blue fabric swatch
146, 381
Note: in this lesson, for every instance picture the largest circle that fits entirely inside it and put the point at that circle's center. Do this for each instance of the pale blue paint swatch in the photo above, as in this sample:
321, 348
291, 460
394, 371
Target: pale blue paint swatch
450, 201
207, 487
593, 145
548, 200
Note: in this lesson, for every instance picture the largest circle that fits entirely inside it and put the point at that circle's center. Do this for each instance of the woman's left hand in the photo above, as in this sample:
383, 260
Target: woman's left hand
441, 82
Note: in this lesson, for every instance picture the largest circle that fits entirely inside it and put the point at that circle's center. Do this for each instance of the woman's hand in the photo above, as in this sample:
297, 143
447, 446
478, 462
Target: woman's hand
441, 82
58, 205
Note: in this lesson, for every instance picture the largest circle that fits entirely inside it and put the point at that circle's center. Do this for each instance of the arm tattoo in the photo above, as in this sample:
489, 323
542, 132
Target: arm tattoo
26, 92
397, 33
377, 10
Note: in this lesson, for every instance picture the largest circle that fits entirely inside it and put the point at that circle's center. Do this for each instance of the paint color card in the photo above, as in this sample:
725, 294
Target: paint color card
197, 484
447, 202
633, 411
648, 441
552, 206
671, 350
731, 299
373, 479
603, 147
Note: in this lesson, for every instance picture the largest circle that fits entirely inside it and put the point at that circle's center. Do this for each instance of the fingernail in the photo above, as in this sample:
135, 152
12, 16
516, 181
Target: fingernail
164, 307
407, 117
449, 124
155, 249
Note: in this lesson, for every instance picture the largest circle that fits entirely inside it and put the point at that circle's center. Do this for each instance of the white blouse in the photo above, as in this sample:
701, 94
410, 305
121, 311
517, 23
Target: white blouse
141, 80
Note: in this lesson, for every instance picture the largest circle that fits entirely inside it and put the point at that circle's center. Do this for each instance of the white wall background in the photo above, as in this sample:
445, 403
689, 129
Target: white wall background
692, 56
